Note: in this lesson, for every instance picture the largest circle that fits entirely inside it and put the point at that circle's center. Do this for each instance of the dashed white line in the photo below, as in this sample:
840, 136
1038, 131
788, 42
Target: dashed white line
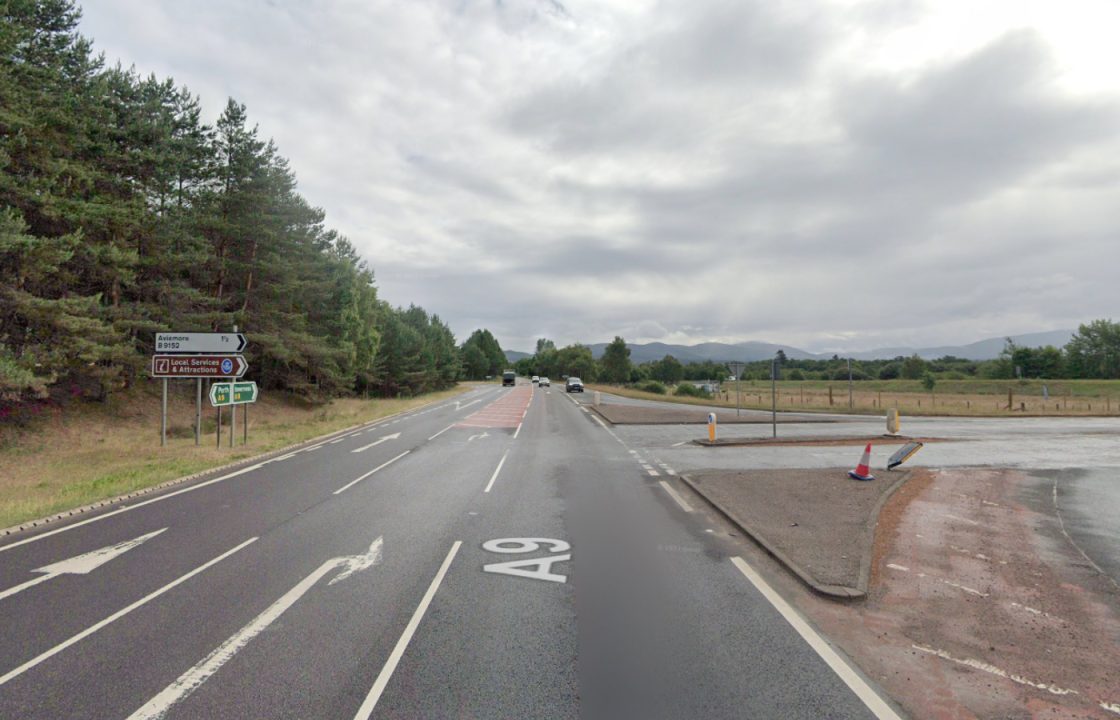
357, 480
366, 710
120, 613
496, 471
859, 686
517, 431
992, 669
676, 496
433, 437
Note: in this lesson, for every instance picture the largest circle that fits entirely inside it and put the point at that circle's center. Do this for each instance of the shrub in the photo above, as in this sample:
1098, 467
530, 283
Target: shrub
652, 386
690, 390
795, 374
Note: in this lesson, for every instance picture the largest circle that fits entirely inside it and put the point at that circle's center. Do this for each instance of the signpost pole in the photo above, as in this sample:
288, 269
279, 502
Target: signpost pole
163, 417
850, 383
232, 414
218, 434
245, 437
198, 413
774, 395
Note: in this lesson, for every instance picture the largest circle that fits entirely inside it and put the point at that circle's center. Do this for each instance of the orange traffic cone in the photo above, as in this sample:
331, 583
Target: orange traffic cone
862, 471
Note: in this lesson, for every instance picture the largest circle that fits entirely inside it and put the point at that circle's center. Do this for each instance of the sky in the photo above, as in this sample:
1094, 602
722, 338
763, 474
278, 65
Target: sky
834, 176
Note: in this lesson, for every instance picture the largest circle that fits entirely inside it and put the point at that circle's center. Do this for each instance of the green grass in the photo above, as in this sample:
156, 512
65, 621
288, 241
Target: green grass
93, 452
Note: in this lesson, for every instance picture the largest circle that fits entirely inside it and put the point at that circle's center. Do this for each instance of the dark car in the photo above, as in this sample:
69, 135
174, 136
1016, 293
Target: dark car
574, 384
509, 377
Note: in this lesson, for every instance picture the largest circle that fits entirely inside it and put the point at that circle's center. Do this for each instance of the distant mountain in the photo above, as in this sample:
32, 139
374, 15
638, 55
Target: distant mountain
751, 351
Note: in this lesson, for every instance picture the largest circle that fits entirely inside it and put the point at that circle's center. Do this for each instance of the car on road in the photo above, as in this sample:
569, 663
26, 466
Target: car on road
545, 382
536, 379
509, 378
574, 384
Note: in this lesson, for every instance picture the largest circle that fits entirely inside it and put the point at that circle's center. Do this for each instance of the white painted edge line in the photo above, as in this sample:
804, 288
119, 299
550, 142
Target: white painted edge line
843, 670
496, 471
127, 508
119, 614
433, 437
601, 423
517, 431
192, 679
676, 496
366, 710
357, 480
682, 442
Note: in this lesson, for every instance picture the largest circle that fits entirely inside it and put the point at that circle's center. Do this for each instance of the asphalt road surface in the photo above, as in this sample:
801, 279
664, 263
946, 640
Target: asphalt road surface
505, 555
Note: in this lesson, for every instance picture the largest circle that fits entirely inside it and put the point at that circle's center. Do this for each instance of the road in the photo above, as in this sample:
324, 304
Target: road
504, 555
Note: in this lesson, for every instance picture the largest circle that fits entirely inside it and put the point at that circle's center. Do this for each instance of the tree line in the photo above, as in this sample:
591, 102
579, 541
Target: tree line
123, 214
1092, 353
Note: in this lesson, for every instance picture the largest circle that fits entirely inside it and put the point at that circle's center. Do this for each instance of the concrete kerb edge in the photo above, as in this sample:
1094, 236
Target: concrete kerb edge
833, 591
40, 522
869, 531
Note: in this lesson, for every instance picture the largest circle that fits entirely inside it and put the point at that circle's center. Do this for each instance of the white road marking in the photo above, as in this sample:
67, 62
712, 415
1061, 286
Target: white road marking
355, 481
667, 469
653, 473
366, 710
682, 442
126, 508
11, 674
1036, 611
81, 564
992, 669
676, 496
375, 443
903, 568
192, 679
496, 471
957, 517
283, 457
517, 431
433, 437
601, 423
859, 686
479, 436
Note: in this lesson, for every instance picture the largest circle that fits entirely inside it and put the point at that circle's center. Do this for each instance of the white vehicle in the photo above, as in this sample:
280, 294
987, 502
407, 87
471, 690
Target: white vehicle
545, 382
536, 379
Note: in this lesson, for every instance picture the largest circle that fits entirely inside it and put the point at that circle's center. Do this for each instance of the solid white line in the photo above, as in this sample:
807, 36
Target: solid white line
601, 423
29, 584
518, 430
676, 496
353, 482
496, 471
382, 680
863, 691
190, 681
433, 437
682, 442
118, 615
127, 508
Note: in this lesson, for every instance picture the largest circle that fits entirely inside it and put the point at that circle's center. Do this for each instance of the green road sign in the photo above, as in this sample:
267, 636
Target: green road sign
237, 393
244, 392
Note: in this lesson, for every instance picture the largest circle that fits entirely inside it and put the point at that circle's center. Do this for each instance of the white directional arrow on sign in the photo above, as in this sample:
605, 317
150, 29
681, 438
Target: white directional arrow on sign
394, 436
80, 564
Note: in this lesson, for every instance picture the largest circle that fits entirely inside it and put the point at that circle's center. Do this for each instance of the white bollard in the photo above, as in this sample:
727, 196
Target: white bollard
596, 398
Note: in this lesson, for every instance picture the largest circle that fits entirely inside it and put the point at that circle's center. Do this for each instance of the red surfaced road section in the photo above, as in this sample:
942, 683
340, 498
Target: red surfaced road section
506, 412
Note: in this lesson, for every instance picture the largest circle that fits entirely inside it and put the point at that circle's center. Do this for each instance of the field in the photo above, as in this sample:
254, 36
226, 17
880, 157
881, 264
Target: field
58, 461
987, 398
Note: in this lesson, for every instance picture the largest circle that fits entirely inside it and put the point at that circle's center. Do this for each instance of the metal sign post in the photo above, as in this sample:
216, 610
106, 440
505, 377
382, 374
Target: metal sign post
197, 412
163, 417
850, 406
736, 369
774, 395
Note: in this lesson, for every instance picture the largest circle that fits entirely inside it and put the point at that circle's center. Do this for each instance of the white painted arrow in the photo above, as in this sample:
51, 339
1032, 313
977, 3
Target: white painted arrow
394, 436
80, 564
192, 679
478, 437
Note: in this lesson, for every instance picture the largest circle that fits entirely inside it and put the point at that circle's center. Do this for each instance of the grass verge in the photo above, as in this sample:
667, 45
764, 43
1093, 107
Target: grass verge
93, 452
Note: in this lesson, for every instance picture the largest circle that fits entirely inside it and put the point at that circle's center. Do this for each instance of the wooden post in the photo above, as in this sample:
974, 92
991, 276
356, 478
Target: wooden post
1008, 398
830, 396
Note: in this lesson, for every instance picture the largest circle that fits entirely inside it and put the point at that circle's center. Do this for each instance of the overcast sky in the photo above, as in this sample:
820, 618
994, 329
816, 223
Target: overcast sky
829, 175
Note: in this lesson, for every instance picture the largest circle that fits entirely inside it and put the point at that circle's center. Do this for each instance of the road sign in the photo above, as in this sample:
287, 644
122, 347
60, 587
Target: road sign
244, 392
199, 343
198, 366
238, 393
